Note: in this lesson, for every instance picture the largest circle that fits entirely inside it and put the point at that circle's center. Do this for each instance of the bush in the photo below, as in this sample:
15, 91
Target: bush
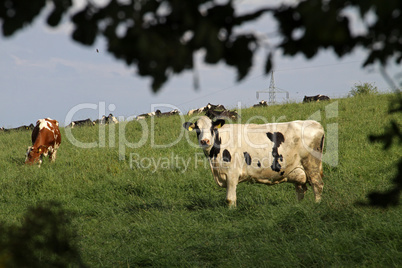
363, 89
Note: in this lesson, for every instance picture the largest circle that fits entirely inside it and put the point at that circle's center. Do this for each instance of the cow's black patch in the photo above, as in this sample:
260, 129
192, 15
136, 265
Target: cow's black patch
247, 158
283, 172
259, 164
322, 144
197, 130
218, 123
226, 156
277, 138
216, 147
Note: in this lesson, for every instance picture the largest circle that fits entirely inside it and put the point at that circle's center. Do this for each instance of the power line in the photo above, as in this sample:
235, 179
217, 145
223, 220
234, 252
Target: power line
316, 66
258, 76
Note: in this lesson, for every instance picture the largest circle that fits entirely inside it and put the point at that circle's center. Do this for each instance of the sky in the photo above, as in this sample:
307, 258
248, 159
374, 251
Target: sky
43, 73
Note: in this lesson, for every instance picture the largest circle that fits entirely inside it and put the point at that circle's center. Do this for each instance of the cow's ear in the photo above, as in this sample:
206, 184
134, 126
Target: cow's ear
42, 148
189, 126
218, 123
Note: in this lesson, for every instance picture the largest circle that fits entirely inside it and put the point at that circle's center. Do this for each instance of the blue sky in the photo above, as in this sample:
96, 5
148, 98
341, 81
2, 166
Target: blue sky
43, 73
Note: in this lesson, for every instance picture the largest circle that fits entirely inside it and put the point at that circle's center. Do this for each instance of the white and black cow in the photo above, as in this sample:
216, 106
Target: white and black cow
20, 128
212, 114
265, 153
262, 103
206, 108
315, 98
172, 112
110, 119
79, 123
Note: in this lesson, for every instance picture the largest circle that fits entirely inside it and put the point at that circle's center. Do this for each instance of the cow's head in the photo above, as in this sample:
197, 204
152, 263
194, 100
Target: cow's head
205, 129
34, 155
175, 111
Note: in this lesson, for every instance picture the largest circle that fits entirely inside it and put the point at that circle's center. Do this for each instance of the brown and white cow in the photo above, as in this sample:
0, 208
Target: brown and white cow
265, 153
46, 140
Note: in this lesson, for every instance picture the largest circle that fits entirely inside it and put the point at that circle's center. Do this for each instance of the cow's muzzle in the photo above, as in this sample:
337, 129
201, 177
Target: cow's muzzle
204, 142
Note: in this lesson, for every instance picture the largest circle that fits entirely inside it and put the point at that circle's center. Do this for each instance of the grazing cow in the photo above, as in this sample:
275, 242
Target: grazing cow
266, 153
101, 121
222, 114
195, 111
143, 116
46, 140
261, 103
315, 98
173, 112
209, 106
215, 107
31, 126
157, 113
110, 119
80, 123
215, 111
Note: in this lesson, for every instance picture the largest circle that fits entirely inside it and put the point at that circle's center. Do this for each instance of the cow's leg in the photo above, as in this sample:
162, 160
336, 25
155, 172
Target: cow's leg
40, 160
300, 191
318, 185
313, 169
298, 177
231, 185
52, 156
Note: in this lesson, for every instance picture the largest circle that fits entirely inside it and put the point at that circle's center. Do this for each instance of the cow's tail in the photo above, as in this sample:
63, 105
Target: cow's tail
312, 165
322, 151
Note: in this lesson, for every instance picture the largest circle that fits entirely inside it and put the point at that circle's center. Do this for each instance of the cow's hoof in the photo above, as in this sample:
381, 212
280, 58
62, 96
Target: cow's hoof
231, 204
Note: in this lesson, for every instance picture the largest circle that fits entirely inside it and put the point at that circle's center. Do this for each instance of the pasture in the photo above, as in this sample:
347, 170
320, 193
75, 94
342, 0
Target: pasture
157, 205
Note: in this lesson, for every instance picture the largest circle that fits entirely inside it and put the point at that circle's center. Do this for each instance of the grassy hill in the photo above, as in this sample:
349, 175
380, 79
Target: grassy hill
134, 201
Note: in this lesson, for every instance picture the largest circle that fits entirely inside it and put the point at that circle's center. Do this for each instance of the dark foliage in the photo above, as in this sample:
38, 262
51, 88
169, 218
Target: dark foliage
44, 239
160, 37
391, 197
319, 24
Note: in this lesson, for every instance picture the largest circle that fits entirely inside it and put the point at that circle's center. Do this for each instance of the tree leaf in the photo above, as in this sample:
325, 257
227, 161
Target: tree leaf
268, 64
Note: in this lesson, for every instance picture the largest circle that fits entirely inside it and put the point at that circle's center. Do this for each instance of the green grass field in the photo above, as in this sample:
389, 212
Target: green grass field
151, 206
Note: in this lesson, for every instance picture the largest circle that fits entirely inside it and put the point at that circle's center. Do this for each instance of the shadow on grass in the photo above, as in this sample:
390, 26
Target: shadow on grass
18, 160
44, 239
160, 205
391, 132
201, 203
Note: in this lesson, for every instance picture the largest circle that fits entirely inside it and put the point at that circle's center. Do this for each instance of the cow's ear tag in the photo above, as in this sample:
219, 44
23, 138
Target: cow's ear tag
218, 126
40, 150
190, 129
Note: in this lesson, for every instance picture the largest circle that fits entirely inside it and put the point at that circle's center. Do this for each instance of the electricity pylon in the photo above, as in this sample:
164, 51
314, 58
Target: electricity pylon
272, 91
